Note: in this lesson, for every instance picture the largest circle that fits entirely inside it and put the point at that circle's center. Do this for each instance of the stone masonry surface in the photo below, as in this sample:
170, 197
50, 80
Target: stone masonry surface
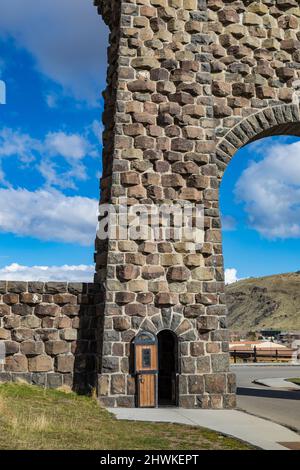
189, 83
50, 333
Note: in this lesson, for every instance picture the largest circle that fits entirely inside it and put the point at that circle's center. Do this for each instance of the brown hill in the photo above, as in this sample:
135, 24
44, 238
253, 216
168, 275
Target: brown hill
265, 302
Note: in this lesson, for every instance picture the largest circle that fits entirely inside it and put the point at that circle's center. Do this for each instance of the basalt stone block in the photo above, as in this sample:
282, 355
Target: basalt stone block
4, 334
56, 287
195, 384
22, 309
46, 334
231, 383
5, 377
54, 380
69, 334
16, 287
41, 363
10, 299
135, 309
187, 401
215, 383
145, 297
152, 272
46, 309
32, 348
166, 298
110, 364
207, 323
3, 287
16, 363
118, 384
229, 401
194, 311
4, 310
71, 310
77, 288
56, 347
39, 379
64, 363
64, 322
29, 298
124, 297
11, 347
178, 274
128, 272
11, 322
21, 377
36, 287
220, 362
197, 348
30, 321
121, 323
22, 334
203, 364
62, 299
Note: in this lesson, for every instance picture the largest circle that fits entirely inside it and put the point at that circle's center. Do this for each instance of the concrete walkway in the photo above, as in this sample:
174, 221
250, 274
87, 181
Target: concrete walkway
277, 383
256, 431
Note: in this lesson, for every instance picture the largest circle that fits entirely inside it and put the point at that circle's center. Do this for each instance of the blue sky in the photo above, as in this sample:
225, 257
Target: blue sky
53, 60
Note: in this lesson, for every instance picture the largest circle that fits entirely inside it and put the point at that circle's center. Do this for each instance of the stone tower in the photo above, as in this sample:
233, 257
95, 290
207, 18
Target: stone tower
189, 83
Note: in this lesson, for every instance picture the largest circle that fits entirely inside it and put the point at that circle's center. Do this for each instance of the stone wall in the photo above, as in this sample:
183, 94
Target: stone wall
50, 333
189, 83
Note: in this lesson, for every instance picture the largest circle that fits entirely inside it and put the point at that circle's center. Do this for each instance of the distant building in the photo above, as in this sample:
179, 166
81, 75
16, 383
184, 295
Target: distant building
260, 351
270, 333
289, 337
259, 345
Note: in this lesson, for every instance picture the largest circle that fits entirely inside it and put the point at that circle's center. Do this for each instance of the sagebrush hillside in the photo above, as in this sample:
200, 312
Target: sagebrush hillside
265, 302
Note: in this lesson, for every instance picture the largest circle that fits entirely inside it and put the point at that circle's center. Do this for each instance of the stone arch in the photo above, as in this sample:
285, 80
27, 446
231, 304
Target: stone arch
276, 120
182, 327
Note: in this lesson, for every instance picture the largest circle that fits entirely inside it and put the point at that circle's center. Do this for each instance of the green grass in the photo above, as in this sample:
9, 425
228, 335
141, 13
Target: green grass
35, 418
294, 381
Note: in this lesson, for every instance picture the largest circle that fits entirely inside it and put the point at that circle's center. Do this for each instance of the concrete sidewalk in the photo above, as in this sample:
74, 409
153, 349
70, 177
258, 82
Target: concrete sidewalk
256, 431
277, 383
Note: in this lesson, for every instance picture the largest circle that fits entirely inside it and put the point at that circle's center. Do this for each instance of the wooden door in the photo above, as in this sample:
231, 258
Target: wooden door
146, 390
146, 358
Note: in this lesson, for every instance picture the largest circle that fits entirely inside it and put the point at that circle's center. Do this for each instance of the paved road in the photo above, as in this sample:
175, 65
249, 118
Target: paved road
280, 406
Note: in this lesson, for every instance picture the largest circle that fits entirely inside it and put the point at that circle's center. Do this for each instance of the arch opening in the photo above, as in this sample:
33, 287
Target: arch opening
259, 201
167, 368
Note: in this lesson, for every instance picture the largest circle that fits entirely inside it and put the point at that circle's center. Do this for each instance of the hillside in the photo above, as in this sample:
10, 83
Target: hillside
265, 302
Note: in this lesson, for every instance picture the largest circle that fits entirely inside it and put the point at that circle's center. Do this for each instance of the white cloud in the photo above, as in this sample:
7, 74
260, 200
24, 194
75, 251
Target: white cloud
270, 190
72, 148
51, 100
67, 39
15, 143
48, 215
231, 276
17, 272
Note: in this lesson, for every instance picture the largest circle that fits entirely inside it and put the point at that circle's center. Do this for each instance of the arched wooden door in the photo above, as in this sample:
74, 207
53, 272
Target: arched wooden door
146, 369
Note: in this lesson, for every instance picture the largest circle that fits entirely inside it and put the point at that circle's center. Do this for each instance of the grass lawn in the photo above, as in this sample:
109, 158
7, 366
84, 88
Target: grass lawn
35, 418
294, 381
